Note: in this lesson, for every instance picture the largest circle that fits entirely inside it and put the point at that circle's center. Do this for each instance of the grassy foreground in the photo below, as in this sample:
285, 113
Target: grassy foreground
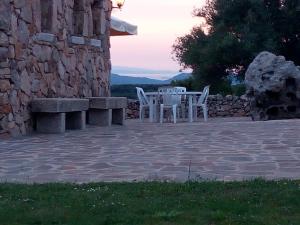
213, 203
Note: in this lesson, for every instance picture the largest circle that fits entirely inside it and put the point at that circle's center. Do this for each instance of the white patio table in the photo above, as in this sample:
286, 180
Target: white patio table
153, 99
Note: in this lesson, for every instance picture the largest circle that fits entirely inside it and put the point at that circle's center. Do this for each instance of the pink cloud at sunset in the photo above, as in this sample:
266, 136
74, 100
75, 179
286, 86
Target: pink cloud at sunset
159, 23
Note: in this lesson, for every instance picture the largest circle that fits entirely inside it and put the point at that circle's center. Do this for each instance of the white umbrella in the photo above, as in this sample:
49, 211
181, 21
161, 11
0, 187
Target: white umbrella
119, 28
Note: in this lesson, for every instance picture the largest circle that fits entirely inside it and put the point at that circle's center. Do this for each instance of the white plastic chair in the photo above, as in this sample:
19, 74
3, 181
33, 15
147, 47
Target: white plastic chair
144, 102
202, 102
169, 101
181, 99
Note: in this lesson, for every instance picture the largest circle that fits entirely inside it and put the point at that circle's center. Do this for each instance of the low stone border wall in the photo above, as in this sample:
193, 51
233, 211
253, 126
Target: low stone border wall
218, 106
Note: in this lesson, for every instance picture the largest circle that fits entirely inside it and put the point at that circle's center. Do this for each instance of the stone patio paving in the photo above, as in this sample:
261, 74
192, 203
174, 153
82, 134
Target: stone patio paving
222, 149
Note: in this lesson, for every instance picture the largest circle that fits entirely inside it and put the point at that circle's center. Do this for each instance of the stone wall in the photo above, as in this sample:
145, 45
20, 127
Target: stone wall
50, 48
218, 106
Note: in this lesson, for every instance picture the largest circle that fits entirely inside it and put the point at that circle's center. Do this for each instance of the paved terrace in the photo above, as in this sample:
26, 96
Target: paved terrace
222, 149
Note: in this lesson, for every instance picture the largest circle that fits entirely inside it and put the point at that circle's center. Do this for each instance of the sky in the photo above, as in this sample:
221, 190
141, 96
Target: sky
159, 23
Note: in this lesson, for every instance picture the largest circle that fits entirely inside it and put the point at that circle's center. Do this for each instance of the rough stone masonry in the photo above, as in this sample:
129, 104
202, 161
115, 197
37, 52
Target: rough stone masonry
218, 106
50, 48
273, 87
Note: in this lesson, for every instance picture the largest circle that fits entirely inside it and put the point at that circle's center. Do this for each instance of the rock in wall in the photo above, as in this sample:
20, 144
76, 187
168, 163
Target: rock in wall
273, 87
50, 48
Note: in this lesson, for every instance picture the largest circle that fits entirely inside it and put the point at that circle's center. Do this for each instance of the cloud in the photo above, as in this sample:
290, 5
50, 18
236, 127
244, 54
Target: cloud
142, 72
133, 70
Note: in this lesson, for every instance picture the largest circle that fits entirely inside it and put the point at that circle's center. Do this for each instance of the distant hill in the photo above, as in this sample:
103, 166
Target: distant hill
116, 79
180, 76
119, 80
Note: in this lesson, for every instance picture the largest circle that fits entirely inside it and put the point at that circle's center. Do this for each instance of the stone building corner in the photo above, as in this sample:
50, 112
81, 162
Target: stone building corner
50, 48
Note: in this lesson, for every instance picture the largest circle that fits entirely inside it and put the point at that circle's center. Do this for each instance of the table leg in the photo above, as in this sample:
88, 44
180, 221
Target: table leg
154, 109
151, 109
190, 108
157, 109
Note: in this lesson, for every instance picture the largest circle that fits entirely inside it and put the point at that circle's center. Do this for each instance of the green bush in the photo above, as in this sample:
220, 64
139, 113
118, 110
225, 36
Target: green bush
129, 90
223, 88
188, 83
239, 89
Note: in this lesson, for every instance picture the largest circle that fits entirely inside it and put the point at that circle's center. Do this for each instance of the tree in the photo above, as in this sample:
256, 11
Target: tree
236, 31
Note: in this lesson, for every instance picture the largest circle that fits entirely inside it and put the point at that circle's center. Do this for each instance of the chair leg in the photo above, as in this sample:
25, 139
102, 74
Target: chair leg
174, 113
205, 113
154, 112
161, 113
183, 111
195, 112
190, 111
141, 113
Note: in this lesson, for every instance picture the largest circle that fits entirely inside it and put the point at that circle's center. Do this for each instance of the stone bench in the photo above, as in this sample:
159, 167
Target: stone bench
105, 111
55, 115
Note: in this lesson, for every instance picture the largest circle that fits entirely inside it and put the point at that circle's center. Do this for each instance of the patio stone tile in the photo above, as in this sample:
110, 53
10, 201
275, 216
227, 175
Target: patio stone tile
222, 149
290, 169
238, 158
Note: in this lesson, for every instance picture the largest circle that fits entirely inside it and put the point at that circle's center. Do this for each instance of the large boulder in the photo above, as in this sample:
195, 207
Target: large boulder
273, 87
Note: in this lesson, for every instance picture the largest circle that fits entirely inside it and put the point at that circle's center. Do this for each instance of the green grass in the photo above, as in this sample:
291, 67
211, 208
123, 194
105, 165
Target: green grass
252, 202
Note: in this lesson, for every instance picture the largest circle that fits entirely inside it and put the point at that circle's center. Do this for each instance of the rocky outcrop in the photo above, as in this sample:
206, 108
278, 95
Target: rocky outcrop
218, 106
273, 87
50, 48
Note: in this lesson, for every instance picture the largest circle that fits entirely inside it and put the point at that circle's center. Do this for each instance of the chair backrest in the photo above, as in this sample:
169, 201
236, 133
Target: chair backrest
204, 96
169, 95
141, 96
181, 90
